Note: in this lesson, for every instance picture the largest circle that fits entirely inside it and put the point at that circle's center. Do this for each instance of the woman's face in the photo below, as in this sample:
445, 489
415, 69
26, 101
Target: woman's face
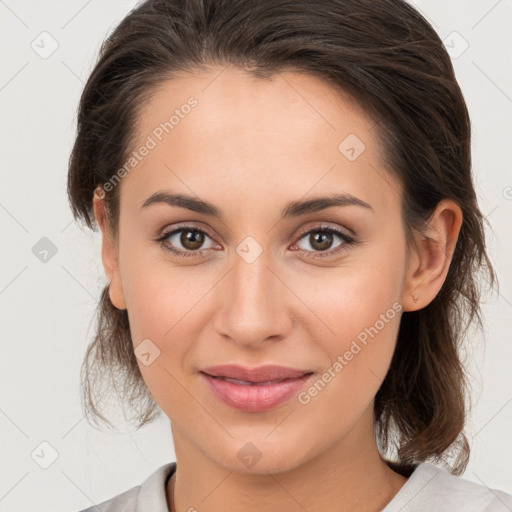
251, 286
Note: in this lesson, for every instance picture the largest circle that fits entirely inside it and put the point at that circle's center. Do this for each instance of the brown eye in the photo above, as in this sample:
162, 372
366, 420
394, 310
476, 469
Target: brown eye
186, 241
191, 239
321, 240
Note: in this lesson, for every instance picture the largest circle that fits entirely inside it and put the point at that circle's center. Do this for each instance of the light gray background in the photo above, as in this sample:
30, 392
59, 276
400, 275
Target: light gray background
47, 307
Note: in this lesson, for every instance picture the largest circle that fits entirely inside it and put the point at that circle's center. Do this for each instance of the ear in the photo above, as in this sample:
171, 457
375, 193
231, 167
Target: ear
429, 261
109, 254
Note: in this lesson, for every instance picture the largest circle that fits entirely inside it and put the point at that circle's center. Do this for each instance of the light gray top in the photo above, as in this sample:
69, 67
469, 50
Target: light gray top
429, 488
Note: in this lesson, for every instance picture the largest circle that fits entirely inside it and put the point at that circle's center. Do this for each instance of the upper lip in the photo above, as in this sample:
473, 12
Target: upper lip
258, 374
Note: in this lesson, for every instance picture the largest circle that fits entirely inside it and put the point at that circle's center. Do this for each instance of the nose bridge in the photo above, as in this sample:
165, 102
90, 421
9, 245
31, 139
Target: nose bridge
251, 280
253, 304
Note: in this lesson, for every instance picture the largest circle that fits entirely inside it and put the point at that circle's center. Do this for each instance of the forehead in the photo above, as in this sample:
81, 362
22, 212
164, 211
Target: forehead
213, 132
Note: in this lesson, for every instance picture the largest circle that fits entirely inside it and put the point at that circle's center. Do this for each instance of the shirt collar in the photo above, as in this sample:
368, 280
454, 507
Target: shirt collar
153, 491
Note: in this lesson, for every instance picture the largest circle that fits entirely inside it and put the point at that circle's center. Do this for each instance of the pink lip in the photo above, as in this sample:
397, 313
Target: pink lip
254, 397
258, 374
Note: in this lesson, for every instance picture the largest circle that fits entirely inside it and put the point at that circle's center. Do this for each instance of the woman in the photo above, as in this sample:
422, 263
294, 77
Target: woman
292, 240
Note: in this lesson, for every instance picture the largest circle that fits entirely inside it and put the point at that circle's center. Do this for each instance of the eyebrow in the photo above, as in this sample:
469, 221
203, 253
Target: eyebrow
292, 209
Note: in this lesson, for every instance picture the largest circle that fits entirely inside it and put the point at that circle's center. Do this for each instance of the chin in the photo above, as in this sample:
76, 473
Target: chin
260, 457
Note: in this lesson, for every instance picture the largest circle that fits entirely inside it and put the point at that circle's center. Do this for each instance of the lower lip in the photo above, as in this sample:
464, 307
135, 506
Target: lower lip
254, 398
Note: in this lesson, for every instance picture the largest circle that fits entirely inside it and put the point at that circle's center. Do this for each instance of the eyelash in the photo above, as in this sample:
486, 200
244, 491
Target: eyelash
347, 241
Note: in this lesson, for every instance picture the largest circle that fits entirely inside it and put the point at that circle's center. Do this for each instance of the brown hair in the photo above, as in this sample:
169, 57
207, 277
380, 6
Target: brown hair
388, 58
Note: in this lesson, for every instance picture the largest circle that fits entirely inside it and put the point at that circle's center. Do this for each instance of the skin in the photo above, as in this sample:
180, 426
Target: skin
249, 147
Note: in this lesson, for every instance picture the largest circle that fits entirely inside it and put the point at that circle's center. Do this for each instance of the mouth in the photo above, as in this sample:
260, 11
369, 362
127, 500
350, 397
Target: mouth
256, 393
251, 383
266, 373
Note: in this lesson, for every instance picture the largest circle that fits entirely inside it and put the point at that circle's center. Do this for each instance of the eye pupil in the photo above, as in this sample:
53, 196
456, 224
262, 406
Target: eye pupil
324, 240
191, 239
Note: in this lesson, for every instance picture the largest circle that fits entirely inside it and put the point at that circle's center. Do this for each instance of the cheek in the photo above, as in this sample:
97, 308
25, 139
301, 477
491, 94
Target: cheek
164, 305
359, 357
361, 308
347, 300
161, 309
160, 296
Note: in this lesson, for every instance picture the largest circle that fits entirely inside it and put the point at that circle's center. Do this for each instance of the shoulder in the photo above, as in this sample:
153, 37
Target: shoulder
433, 488
124, 502
149, 495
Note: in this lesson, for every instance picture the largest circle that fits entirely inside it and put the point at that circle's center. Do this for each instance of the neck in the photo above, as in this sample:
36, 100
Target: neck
348, 476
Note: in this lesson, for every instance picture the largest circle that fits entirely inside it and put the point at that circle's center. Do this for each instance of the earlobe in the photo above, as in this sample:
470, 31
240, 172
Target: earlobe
109, 255
429, 263
115, 292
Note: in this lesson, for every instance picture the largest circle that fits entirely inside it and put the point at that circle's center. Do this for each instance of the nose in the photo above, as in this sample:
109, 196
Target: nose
254, 303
